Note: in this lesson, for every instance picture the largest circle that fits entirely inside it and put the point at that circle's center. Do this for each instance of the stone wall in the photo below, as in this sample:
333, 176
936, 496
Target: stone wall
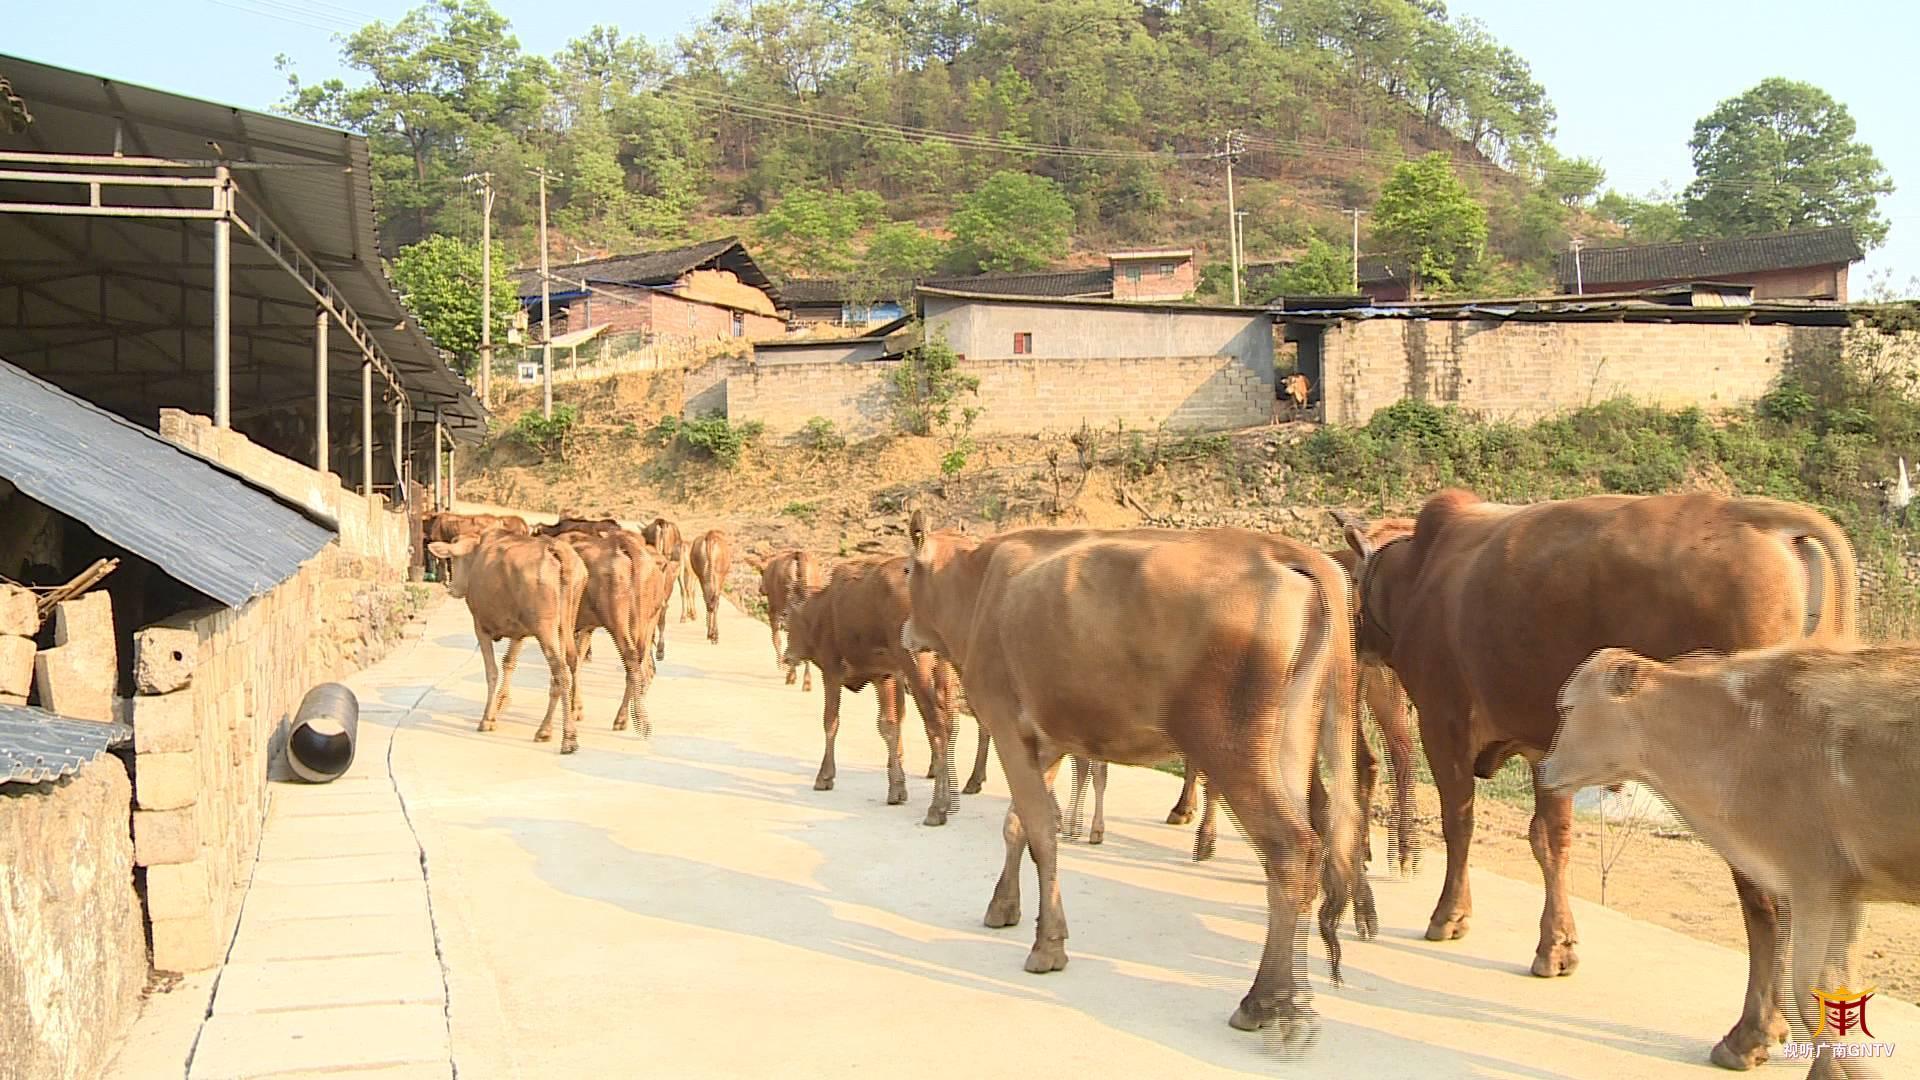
1197, 393
72, 959
1523, 371
370, 529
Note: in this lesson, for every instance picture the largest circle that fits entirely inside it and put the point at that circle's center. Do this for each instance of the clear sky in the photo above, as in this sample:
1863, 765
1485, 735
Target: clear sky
1629, 79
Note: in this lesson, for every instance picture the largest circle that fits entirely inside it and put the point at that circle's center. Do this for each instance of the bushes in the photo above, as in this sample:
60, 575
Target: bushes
547, 436
710, 436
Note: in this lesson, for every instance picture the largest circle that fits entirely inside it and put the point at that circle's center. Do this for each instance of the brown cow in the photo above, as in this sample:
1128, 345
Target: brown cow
1387, 703
589, 526
1249, 648
786, 580
520, 587
1825, 735
710, 557
1485, 610
851, 630
1296, 389
446, 526
622, 588
667, 539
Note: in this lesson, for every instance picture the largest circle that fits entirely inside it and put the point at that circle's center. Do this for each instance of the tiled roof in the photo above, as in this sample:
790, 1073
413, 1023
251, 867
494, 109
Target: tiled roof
818, 291
1095, 282
656, 268
1374, 269
1693, 260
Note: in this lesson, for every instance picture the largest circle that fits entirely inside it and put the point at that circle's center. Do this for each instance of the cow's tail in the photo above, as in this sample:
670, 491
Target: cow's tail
573, 586
1334, 686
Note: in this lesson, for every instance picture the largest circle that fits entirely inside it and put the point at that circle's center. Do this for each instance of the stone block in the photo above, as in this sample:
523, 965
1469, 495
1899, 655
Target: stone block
16, 665
167, 781
165, 723
19, 611
86, 620
184, 945
164, 658
76, 681
178, 891
161, 837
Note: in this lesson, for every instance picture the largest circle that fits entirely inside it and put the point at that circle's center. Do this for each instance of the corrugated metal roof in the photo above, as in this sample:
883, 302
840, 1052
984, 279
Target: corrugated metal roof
654, 269
36, 746
1693, 260
203, 525
150, 348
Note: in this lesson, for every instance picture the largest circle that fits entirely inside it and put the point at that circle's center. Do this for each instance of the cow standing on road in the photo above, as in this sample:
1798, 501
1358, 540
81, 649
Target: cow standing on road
1486, 609
786, 581
664, 537
520, 587
623, 586
711, 557
1249, 647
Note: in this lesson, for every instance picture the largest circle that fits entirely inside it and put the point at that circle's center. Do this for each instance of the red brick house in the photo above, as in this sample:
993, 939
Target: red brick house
1806, 264
701, 292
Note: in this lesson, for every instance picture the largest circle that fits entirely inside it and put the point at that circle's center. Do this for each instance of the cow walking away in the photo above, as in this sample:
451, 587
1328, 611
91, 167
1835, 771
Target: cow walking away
1485, 610
1800, 764
710, 557
1249, 648
786, 581
624, 590
664, 537
851, 629
520, 587
568, 524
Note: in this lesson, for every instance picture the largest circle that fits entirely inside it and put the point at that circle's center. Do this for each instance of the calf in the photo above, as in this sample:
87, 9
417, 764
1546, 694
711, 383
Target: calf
1250, 649
667, 539
786, 580
1800, 764
851, 630
710, 557
622, 590
520, 587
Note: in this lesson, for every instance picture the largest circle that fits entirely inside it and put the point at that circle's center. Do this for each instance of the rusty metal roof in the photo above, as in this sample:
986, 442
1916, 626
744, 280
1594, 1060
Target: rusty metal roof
1700, 260
36, 746
200, 523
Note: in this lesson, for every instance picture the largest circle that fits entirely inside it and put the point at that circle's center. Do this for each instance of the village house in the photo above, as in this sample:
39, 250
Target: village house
702, 292
1807, 264
1129, 275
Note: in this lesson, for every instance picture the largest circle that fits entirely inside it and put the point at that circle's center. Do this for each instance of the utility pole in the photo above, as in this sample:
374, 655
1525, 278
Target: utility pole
546, 303
1579, 284
1233, 148
1355, 215
486, 286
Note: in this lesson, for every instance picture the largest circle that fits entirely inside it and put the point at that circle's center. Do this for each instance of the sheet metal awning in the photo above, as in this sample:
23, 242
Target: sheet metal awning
201, 524
37, 746
117, 308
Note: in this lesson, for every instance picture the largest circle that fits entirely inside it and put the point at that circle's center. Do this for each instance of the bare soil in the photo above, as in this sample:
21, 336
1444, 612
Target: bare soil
839, 502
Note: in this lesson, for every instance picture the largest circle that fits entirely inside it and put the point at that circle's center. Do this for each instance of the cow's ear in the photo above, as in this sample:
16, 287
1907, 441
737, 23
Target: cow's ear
1354, 529
440, 549
1625, 676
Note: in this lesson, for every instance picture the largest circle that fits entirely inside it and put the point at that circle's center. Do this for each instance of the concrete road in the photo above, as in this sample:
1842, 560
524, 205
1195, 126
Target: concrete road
689, 906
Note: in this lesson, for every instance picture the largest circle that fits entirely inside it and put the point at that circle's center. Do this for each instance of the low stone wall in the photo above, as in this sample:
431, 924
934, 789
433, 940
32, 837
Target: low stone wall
369, 528
1193, 393
72, 959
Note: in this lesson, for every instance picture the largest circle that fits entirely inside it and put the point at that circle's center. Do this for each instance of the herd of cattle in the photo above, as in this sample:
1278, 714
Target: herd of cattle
1704, 645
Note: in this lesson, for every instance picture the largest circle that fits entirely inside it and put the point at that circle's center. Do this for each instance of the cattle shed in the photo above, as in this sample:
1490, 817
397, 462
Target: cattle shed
158, 251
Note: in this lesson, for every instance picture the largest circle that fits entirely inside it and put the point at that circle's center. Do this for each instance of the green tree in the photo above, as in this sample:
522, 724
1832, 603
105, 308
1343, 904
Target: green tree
1655, 220
811, 232
1426, 216
1323, 269
1014, 221
901, 250
1783, 156
439, 279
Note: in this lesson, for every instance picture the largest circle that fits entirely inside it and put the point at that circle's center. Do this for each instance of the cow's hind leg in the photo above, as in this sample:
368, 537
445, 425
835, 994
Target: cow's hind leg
1098, 831
1033, 800
934, 698
1279, 831
1762, 1023
892, 697
1551, 833
830, 722
1206, 836
1388, 704
490, 712
687, 584
560, 661
1182, 812
1004, 908
1453, 775
978, 778
507, 663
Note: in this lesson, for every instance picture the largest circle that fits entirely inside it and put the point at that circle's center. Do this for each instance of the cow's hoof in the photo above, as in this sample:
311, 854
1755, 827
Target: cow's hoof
973, 786
1746, 1047
1294, 1027
1096, 836
896, 793
1003, 913
1448, 927
936, 816
484, 727
620, 724
1203, 848
1366, 917
1181, 817
569, 745
1558, 959
1047, 956
823, 783
543, 735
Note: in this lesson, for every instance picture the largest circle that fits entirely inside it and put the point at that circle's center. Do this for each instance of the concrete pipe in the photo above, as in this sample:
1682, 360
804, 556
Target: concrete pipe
320, 743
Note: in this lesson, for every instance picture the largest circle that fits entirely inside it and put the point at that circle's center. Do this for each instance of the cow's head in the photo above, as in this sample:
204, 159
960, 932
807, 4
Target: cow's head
803, 619
1602, 738
936, 590
459, 556
1380, 569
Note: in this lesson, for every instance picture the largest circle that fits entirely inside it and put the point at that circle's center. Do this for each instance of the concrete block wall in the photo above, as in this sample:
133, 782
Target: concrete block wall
1527, 370
369, 528
1197, 393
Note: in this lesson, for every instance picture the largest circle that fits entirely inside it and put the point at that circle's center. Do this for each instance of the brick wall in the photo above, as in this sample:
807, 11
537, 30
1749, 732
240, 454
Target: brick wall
676, 317
1527, 370
1200, 393
203, 749
1151, 285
